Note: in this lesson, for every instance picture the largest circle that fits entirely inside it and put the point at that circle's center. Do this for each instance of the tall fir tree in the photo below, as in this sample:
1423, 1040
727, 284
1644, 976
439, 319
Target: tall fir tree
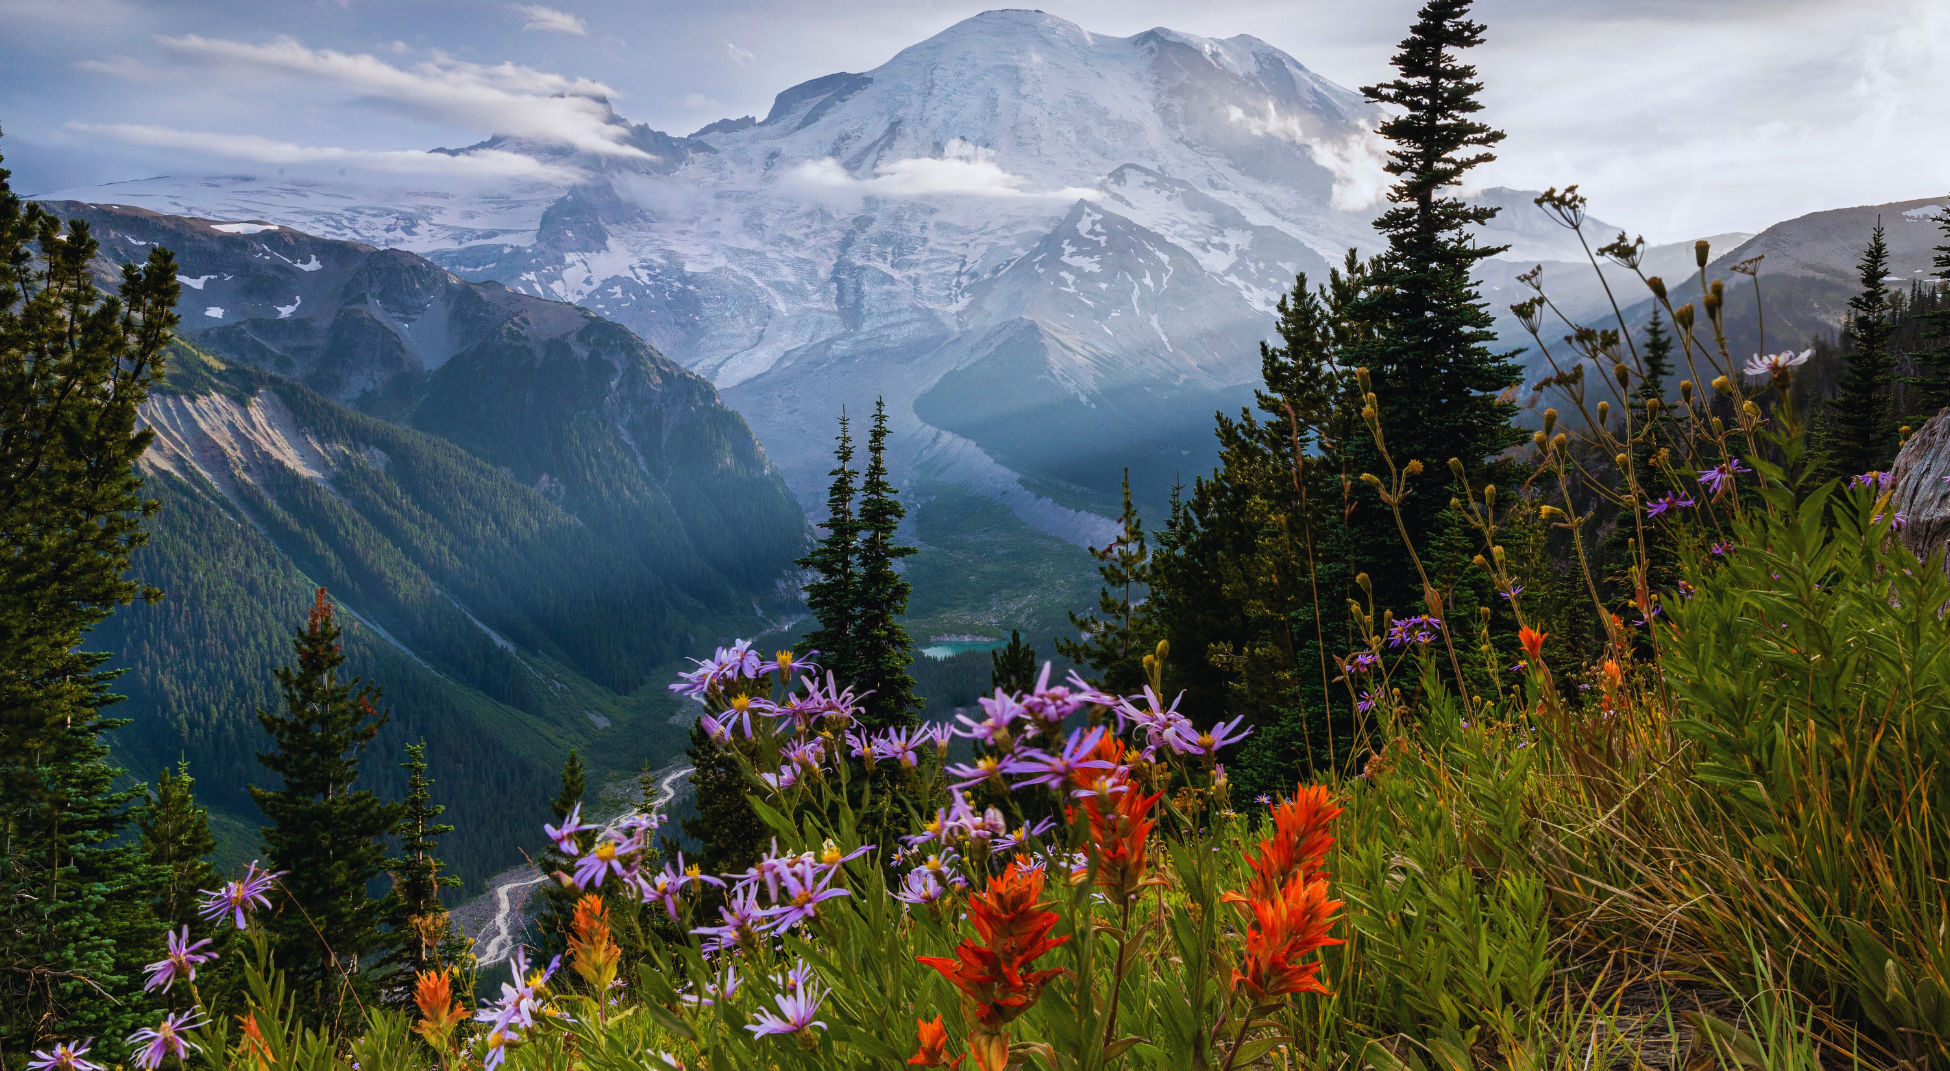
1858, 431
419, 930
558, 896
1436, 381
881, 652
326, 834
1013, 668
176, 840
835, 562
75, 366
1118, 636
1928, 386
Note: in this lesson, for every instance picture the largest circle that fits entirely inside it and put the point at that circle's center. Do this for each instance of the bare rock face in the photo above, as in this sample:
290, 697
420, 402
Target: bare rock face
1922, 477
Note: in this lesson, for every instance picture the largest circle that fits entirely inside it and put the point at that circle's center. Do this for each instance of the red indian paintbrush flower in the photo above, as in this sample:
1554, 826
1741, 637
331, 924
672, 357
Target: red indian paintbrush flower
1533, 642
934, 1039
1300, 842
592, 952
995, 986
433, 993
1284, 930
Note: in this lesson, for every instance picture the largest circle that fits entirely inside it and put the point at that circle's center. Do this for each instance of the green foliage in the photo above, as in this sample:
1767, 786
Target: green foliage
1929, 382
832, 593
558, 901
326, 834
75, 891
417, 925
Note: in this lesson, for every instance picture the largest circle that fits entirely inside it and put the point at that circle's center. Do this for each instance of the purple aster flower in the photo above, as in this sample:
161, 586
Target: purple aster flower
564, 835
1185, 741
237, 899
919, 886
796, 1011
171, 1037
1416, 630
1670, 502
607, 858
1021, 835
988, 768
785, 778
1878, 481
1361, 663
1043, 768
902, 744
807, 753
1366, 702
801, 891
64, 1058
667, 884
1721, 476
742, 922
1722, 548
1515, 590
993, 730
1050, 706
181, 962
1154, 717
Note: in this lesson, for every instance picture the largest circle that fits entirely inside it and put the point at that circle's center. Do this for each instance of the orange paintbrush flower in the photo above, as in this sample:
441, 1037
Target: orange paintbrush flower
433, 993
1282, 931
1302, 836
934, 1039
996, 987
1118, 834
592, 952
1533, 642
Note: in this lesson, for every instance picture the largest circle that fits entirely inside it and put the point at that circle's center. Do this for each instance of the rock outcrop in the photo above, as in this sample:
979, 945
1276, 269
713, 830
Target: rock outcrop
1922, 478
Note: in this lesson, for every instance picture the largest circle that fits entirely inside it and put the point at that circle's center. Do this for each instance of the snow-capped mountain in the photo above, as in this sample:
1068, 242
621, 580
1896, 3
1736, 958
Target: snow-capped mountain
1053, 253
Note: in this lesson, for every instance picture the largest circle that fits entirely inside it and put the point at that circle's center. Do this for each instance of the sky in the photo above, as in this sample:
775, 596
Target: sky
1678, 118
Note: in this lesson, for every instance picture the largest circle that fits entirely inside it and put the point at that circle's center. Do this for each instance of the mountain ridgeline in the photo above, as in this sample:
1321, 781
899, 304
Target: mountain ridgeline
527, 513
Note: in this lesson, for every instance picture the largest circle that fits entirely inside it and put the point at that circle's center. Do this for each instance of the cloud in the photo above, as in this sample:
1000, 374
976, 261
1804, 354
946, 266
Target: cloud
549, 20
479, 164
1355, 160
507, 98
701, 102
963, 170
738, 55
125, 68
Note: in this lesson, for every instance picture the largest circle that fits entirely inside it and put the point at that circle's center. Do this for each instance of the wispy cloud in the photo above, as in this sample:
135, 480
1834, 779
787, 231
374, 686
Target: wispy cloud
1355, 161
963, 170
480, 164
549, 20
505, 98
128, 69
738, 55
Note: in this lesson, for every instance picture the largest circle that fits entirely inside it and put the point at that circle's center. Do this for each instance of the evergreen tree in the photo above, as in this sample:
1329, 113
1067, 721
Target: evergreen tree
1119, 635
729, 833
1929, 383
1435, 379
176, 840
881, 650
1858, 430
75, 924
559, 897
326, 835
418, 923
831, 595
1014, 667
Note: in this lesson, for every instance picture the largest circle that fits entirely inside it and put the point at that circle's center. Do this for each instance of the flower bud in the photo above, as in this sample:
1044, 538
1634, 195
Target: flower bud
1455, 503
1622, 374
1719, 428
1480, 562
1550, 421
1748, 407
1652, 404
1549, 512
1902, 435
1683, 317
1537, 438
1686, 391
1362, 375
1361, 581
1560, 442
1415, 466
1371, 479
1367, 413
1624, 461
1723, 384
1658, 286
1604, 412
1456, 466
1702, 252
1489, 495
1497, 553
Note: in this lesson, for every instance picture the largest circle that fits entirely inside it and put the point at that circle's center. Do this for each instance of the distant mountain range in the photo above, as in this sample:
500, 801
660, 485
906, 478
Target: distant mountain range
528, 513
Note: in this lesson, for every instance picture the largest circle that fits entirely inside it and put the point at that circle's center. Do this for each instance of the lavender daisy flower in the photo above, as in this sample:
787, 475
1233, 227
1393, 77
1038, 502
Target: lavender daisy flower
564, 835
992, 730
1515, 590
1722, 548
988, 768
796, 1011
237, 899
171, 1037
1022, 834
787, 777
741, 923
903, 745
1670, 502
1876, 480
1055, 770
801, 893
1183, 741
919, 886
607, 858
1417, 630
181, 962
64, 1058
1721, 476
1773, 363
1366, 702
